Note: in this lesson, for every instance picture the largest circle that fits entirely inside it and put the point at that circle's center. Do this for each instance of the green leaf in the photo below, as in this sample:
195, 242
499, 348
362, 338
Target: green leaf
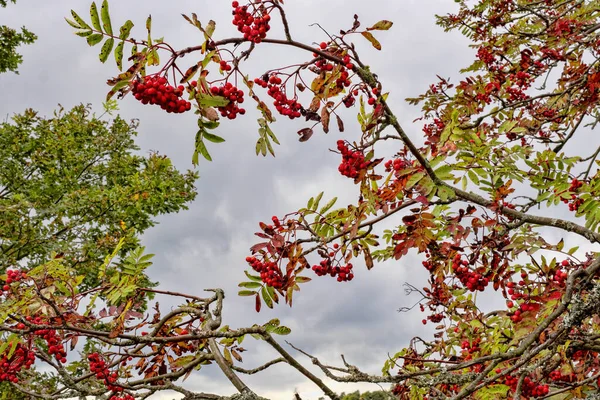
95, 17
369, 36
382, 25
152, 57
250, 285
315, 205
444, 172
213, 138
227, 355
106, 18
246, 293
210, 29
106, 49
266, 298
282, 330
95, 39
209, 125
414, 179
116, 88
207, 100
73, 23
125, 30
473, 177
149, 29
573, 250
327, 206
275, 322
273, 294
119, 55
200, 149
14, 341
80, 21
253, 278
269, 147
83, 33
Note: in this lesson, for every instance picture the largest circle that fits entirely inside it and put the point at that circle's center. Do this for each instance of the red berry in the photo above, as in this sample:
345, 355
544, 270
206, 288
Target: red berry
323, 45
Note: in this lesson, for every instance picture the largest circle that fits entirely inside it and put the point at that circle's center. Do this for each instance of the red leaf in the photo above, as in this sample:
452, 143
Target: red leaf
305, 134
258, 303
340, 123
258, 246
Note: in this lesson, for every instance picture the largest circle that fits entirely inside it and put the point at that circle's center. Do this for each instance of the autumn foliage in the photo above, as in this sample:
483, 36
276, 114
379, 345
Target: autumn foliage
500, 167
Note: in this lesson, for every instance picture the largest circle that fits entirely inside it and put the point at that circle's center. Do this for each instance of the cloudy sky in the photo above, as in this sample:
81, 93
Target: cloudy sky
205, 246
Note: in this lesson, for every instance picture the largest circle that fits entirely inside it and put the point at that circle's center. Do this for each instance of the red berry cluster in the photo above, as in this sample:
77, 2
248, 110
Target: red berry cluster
284, 105
254, 25
352, 161
470, 279
99, 367
574, 202
396, 164
21, 358
269, 272
123, 397
344, 274
557, 376
435, 318
514, 295
235, 97
224, 65
324, 65
156, 90
12, 275
529, 387
560, 276
349, 100
55, 346
372, 100
469, 348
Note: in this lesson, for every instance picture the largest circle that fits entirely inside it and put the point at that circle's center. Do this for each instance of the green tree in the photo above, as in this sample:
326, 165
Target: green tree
73, 185
10, 39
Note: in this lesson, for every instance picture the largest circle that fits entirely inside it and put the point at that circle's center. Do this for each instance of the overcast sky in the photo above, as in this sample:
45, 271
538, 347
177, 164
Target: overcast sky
205, 246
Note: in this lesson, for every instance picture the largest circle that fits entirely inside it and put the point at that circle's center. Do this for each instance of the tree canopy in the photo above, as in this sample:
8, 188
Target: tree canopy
10, 39
73, 185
